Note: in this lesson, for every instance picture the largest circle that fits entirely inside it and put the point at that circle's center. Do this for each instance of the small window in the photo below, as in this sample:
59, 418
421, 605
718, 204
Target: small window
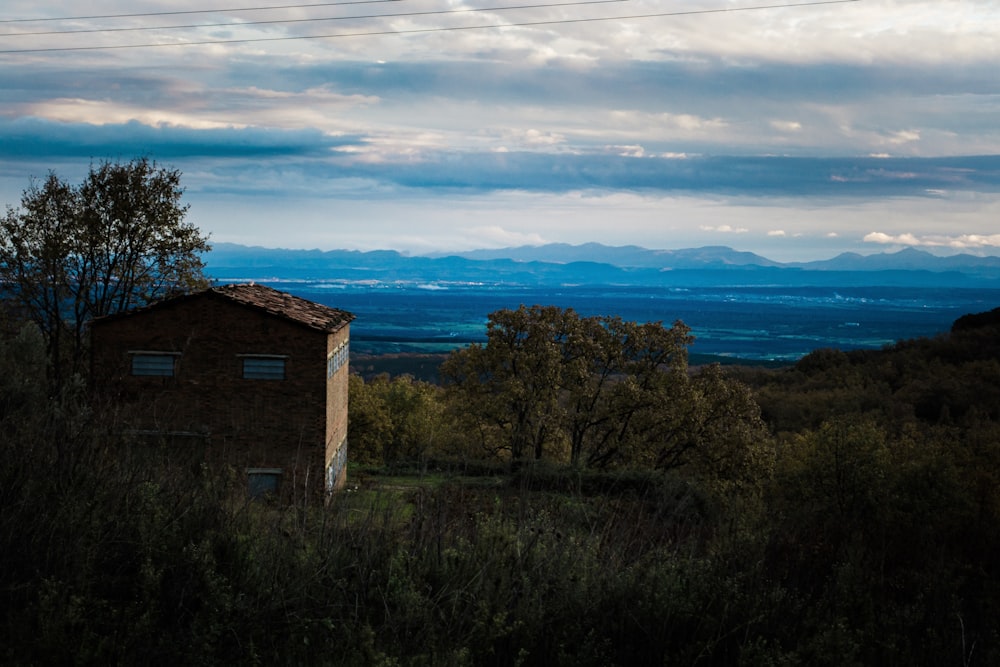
156, 364
263, 481
336, 359
263, 368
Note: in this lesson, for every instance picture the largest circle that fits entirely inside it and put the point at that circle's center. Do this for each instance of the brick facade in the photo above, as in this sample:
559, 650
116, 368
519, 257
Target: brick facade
292, 427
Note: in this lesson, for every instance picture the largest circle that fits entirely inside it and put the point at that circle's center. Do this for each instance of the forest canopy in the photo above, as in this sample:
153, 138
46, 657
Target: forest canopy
595, 393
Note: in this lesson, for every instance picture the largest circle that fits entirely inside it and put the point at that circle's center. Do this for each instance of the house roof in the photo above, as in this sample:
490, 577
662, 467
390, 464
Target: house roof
282, 304
260, 297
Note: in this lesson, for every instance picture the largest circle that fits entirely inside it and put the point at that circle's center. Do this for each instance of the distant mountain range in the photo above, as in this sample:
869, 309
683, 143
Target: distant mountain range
629, 256
724, 257
594, 263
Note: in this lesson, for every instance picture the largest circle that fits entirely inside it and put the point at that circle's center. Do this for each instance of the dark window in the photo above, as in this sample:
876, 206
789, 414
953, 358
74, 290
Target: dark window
263, 481
159, 364
264, 368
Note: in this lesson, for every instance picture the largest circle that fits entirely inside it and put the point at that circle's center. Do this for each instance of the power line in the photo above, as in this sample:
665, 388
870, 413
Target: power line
472, 10
411, 31
190, 11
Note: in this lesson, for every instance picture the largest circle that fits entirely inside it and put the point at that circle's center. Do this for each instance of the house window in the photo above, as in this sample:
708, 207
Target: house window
155, 364
263, 367
263, 481
337, 359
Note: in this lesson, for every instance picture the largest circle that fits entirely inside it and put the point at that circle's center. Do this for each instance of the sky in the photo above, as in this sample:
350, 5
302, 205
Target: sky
797, 130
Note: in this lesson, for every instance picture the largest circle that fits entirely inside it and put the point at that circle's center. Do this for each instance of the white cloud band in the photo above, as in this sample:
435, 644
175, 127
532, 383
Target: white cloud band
960, 242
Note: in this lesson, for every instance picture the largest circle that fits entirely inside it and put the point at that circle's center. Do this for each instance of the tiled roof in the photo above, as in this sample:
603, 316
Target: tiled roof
282, 304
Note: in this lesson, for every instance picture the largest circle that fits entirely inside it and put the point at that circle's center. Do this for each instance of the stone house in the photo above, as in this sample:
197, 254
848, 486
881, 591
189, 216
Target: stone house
245, 374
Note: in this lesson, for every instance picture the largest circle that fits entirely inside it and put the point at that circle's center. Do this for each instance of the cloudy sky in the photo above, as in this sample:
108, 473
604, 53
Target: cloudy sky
794, 129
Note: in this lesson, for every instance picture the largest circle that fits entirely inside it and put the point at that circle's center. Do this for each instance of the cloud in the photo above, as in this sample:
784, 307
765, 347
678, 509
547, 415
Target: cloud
677, 105
902, 137
724, 229
628, 151
507, 139
899, 239
786, 125
34, 138
499, 237
959, 242
541, 161
850, 117
622, 169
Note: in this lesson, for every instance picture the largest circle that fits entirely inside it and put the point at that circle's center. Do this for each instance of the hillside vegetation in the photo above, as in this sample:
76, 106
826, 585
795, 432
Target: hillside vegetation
574, 495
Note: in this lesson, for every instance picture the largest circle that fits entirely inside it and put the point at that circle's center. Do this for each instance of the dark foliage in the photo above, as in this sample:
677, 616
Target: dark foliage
976, 321
876, 540
117, 241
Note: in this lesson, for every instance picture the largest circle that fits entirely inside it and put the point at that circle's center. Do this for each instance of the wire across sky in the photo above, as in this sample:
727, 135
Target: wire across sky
364, 33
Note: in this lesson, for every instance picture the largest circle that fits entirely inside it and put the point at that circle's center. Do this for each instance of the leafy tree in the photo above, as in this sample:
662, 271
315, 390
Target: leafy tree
35, 247
637, 393
394, 419
606, 391
509, 387
117, 241
370, 422
728, 440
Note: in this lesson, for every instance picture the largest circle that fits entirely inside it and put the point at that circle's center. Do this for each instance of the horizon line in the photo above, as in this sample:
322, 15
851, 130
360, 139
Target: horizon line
899, 248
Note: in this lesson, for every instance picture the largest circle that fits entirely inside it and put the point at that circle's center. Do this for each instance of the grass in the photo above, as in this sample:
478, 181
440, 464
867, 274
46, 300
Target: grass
392, 495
